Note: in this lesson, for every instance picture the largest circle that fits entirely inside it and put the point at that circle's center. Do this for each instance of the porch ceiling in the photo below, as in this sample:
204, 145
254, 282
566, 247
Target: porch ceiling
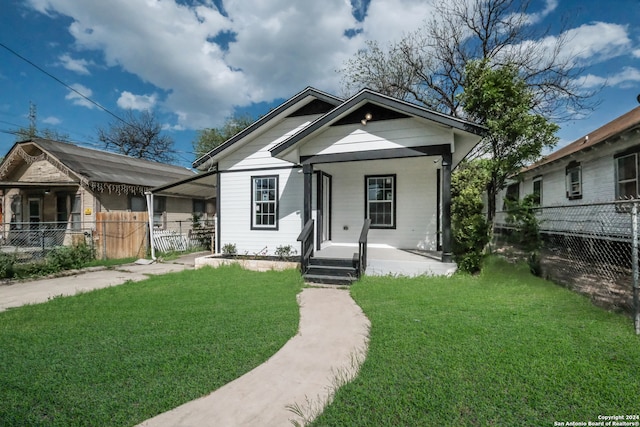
202, 186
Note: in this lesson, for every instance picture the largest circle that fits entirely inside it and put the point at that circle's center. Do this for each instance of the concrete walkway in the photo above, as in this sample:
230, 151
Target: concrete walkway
38, 291
295, 384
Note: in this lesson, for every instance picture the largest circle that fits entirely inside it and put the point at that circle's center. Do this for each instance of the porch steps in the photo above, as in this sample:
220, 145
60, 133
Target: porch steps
331, 271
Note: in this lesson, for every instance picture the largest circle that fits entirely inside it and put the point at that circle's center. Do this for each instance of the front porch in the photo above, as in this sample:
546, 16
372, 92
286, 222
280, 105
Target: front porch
384, 260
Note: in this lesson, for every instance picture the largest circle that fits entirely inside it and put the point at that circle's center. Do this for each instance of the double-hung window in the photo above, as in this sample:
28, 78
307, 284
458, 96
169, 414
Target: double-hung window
381, 201
537, 191
574, 181
627, 176
139, 204
69, 211
264, 202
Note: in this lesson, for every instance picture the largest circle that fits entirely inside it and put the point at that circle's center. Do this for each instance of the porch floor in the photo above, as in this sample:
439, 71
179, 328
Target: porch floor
385, 260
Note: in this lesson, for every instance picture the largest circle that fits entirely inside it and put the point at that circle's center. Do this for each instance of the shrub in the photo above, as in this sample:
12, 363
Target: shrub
522, 215
469, 226
283, 252
229, 249
7, 265
69, 257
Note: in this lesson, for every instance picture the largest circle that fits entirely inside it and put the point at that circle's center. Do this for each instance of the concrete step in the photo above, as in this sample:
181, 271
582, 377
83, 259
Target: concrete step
329, 280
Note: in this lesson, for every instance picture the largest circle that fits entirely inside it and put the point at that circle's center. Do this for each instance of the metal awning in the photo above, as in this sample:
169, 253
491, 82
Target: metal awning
201, 186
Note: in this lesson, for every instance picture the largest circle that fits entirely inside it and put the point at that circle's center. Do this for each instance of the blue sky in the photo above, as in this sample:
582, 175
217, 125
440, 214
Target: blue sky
195, 62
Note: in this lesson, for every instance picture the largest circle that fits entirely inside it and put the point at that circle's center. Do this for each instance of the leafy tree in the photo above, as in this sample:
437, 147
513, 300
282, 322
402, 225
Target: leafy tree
428, 65
468, 222
138, 136
210, 138
498, 98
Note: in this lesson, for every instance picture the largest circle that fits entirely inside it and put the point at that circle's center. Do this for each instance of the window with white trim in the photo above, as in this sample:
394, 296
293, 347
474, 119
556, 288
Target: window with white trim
264, 202
627, 176
381, 201
574, 181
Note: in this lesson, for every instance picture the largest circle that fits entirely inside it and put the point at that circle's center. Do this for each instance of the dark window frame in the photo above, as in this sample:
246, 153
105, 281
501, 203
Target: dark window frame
539, 193
394, 200
511, 195
276, 201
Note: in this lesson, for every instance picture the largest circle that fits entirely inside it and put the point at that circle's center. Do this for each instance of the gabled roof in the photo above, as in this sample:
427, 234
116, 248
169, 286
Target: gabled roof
367, 95
308, 92
607, 132
97, 166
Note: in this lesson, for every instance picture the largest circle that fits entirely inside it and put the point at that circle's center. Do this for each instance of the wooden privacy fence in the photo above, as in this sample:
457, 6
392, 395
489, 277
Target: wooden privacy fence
121, 235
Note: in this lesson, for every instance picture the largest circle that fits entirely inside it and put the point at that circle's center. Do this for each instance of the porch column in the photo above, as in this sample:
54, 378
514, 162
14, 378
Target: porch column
218, 248
307, 170
447, 238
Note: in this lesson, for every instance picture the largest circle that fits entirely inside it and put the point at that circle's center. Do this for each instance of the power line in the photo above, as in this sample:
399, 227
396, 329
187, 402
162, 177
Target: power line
63, 83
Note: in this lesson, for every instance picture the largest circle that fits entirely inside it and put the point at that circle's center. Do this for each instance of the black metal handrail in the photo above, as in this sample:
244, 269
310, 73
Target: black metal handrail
306, 250
362, 247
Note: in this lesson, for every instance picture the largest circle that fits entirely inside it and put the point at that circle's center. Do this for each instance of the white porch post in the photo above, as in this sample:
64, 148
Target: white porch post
447, 238
150, 212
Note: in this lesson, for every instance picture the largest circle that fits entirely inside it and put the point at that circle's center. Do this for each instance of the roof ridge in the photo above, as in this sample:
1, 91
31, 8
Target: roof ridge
611, 128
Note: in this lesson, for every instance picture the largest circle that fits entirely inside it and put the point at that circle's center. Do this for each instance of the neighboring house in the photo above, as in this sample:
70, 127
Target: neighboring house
338, 162
599, 167
49, 184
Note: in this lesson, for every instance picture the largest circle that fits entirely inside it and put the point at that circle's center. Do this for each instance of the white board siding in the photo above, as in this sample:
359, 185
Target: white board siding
598, 176
255, 153
380, 135
235, 211
416, 206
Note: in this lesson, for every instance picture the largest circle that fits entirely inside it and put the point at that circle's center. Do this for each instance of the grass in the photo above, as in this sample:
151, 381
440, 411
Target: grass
501, 348
120, 355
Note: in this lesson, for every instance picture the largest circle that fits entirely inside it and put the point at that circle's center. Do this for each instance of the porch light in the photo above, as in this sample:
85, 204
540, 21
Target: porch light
367, 117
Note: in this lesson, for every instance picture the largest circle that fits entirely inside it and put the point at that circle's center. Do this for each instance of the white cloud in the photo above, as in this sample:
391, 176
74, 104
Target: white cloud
51, 120
276, 48
130, 101
598, 41
583, 46
550, 6
78, 99
80, 66
625, 78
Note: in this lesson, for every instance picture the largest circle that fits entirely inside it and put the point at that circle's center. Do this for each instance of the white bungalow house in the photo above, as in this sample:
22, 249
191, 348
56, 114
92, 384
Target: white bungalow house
338, 162
601, 166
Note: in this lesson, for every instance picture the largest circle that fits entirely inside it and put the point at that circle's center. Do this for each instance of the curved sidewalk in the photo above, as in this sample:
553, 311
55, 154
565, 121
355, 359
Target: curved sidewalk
295, 383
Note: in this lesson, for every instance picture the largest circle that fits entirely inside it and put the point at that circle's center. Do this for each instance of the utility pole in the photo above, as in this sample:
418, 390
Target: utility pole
33, 122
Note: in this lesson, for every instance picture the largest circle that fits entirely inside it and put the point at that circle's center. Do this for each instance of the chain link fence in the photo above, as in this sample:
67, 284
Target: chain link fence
31, 241
590, 248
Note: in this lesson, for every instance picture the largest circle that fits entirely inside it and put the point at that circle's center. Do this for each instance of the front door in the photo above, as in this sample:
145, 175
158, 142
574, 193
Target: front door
35, 212
34, 207
324, 209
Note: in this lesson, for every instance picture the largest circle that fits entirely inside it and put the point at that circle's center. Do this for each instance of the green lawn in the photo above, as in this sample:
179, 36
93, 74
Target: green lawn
117, 356
502, 348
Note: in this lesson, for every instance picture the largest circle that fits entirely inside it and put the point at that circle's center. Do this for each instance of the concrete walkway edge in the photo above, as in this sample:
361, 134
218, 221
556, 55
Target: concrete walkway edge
296, 383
